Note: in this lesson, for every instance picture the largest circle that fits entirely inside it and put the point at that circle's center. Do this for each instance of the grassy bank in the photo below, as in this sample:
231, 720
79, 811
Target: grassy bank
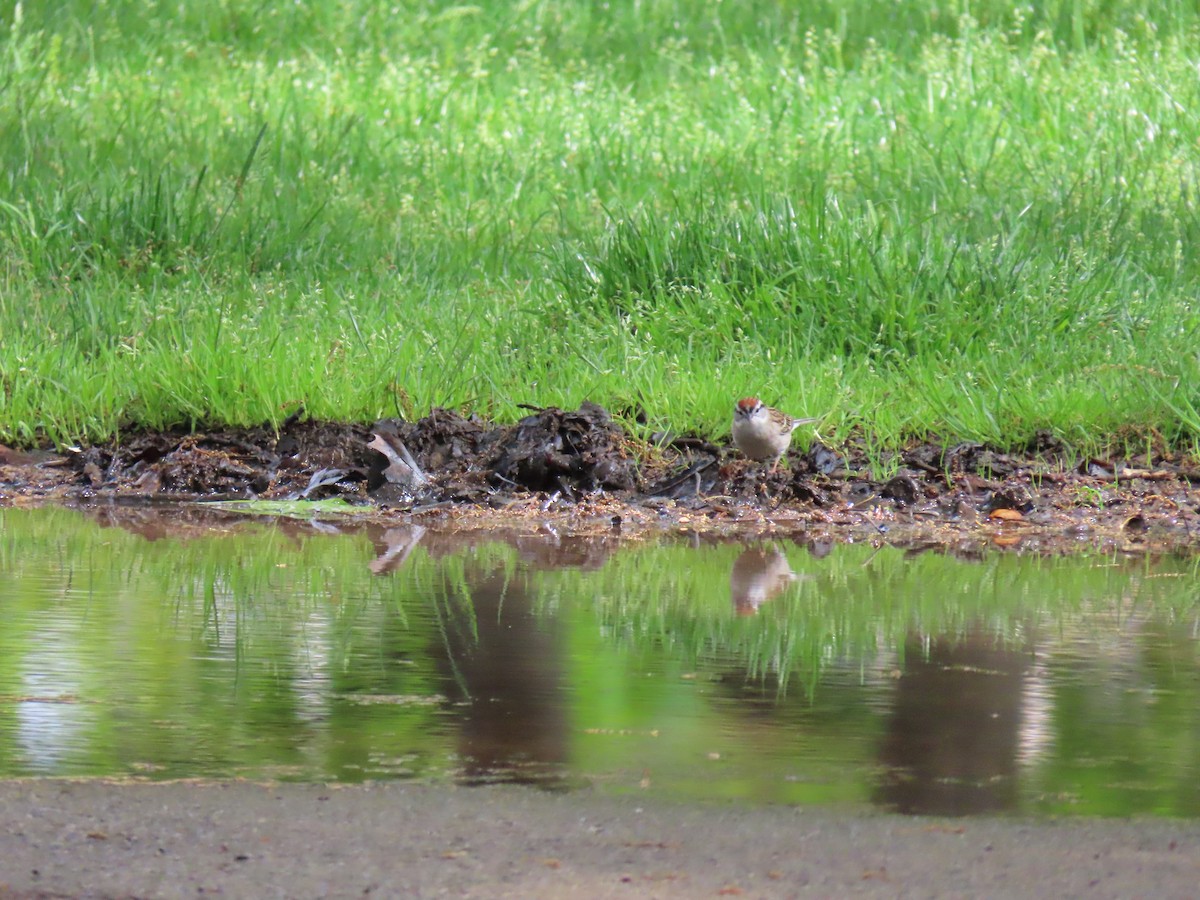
967, 220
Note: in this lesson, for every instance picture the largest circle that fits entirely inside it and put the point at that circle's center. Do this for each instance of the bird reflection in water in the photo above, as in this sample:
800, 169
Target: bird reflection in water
759, 576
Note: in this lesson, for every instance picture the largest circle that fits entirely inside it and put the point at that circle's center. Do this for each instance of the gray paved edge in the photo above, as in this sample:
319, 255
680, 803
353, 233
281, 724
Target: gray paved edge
99, 839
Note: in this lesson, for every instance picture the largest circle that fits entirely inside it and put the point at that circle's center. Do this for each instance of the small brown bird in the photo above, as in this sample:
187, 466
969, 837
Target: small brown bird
762, 432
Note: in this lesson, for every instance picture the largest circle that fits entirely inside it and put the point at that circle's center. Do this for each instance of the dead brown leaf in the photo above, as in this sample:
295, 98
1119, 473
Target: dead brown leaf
1005, 515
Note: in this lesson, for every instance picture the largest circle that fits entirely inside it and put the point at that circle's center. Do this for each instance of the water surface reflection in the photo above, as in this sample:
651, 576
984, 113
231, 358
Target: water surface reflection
950, 747
152, 644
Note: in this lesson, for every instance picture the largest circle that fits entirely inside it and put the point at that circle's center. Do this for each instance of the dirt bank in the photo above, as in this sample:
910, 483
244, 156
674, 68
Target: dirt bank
92, 839
578, 469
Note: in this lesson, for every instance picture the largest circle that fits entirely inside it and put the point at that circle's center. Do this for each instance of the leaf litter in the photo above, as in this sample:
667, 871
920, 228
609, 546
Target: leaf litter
579, 470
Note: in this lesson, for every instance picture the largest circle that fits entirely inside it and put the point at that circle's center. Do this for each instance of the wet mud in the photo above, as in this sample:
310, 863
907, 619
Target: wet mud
579, 470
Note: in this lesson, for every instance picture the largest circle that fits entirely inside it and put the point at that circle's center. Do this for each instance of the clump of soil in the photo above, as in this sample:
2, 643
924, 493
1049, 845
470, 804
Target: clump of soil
581, 463
569, 453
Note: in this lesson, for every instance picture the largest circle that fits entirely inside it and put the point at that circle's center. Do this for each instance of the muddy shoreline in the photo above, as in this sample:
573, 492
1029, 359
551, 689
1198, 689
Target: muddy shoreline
98, 839
578, 471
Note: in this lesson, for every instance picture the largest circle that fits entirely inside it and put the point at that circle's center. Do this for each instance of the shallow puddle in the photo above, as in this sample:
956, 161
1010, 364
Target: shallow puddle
184, 643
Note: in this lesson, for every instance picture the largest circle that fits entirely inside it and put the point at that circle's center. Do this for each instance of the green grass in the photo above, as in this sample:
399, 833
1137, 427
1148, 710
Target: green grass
974, 221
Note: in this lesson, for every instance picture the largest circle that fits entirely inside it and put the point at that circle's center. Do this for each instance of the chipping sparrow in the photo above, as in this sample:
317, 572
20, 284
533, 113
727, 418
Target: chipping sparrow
761, 432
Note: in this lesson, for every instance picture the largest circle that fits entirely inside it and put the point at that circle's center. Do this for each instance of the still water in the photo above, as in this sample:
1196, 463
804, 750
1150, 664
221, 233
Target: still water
155, 645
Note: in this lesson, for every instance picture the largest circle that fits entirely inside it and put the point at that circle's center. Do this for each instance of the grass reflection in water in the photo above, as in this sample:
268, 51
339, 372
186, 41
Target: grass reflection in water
790, 671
